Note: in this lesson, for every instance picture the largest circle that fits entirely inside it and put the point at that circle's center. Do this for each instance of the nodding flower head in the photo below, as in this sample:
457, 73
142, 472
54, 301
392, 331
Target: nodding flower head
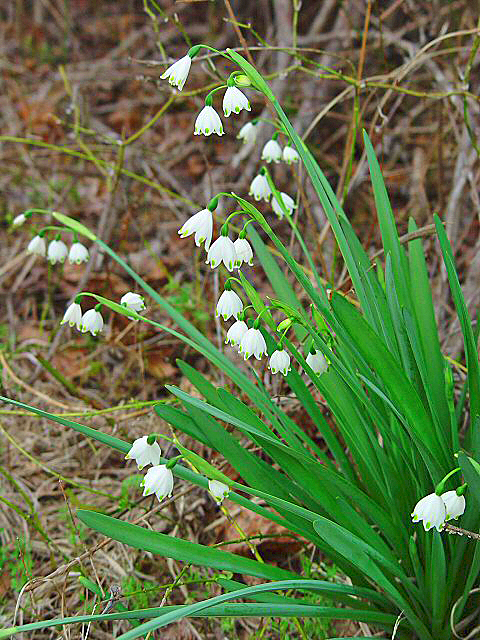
222, 250
279, 361
234, 101
290, 155
133, 301
259, 188
218, 489
430, 510
144, 453
253, 344
177, 73
272, 151
201, 224
244, 252
288, 202
454, 504
208, 122
92, 321
248, 133
78, 253
57, 251
158, 480
236, 333
229, 304
37, 246
317, 362
73, 315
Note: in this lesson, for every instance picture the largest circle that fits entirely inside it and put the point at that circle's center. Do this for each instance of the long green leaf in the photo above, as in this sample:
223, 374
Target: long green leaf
178, 549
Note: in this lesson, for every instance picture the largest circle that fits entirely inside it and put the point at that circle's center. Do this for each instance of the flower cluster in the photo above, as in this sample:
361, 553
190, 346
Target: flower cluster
159, 478
434, 510
92, 320
57, 250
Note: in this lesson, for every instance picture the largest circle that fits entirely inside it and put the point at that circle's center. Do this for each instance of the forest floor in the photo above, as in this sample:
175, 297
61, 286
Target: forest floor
80, 76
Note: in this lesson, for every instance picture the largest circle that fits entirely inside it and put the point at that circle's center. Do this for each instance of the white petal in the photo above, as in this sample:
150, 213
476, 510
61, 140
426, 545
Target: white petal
234, 100
208, 122
177, 73
248, 133
133, 301
272, 151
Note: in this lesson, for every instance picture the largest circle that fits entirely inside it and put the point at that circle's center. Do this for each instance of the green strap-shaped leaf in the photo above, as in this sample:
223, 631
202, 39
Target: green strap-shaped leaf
178, 549
471, 354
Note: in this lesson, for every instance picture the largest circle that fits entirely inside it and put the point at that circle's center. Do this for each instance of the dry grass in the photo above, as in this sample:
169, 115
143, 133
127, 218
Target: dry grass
81, 75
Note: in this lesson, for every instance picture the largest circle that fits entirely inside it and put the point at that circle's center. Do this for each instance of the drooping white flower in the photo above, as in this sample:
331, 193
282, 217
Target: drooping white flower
236, 333
431, 510
454, 504
287, 201
133, 301
253, 344
177, 73
158, 480
208, 122
201, 224
317, 362
279, 361
272, 151
92, 321
290, 155
78, 253
234, 100
57, 251
229, 304
244, 252
37, 246
144, 453
218, 489
248, 133
259, 188
222, 250
19, 220
73, 315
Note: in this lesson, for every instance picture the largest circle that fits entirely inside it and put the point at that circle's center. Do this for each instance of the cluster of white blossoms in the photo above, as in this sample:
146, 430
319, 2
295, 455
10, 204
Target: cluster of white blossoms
92, 320
436, 509
260, 190
57, 250
248, 341
159, 478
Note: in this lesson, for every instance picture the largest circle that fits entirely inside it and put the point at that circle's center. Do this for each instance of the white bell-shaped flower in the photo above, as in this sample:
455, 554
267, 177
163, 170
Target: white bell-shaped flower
290, 155
57, 251
253, 344
208, 122
431, 510
236, 333
229, 304
259, 188
279, 361
19, 220
244, 252
272, 151
317, 362
454, 504
37, 246
92, 321
144, 453
78, 253
201, 224
218, 489
158, 480
248, 133
133, 301
234, 101
222, 250
177, 73
73, 315
288, 202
